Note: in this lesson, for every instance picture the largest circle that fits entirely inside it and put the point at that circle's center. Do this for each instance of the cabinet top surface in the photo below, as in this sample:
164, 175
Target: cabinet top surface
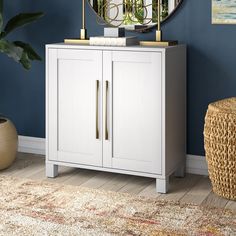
114, 48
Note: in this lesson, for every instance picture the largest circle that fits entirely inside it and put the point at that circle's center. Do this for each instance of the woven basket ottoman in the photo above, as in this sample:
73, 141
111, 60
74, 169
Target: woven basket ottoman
220, 146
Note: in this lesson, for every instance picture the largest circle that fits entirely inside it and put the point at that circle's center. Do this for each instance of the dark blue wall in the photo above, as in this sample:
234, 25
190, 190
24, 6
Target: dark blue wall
211, 61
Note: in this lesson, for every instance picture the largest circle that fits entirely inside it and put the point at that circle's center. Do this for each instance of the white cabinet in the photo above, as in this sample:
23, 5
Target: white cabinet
116, 109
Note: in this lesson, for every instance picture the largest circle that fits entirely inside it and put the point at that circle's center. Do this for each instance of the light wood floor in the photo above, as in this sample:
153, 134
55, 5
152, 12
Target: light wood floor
194, 189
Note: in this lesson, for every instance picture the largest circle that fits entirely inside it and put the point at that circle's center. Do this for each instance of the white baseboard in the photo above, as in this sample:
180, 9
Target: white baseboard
31, 145
194, 164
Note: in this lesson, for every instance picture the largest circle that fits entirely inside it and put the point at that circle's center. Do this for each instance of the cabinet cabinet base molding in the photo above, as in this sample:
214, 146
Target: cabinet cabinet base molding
162, 182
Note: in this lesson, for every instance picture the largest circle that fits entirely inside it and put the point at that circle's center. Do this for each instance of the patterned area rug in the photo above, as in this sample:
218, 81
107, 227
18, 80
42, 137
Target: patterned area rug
39, 208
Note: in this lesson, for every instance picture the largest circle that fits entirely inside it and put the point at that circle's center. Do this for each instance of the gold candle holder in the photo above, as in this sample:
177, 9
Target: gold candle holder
159, 42
83, 32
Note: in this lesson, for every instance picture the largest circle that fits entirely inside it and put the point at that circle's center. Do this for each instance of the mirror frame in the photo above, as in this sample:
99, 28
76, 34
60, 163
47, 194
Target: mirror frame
148, 29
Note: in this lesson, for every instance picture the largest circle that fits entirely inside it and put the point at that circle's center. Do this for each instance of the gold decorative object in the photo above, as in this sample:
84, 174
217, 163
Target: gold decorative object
220, 146
97, 115
137, 15
83, 32
159, 41
158, 32
77, 41
106, 112
8, 143
140, 15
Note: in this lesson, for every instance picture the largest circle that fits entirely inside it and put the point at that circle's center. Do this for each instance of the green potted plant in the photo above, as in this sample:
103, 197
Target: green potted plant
22, 53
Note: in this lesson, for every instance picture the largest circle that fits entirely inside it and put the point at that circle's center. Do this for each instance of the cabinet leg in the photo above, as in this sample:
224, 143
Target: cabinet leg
162, 185
180, 172
51, 170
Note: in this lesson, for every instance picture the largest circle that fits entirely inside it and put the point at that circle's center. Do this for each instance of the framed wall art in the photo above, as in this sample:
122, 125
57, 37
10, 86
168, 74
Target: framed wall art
223, 11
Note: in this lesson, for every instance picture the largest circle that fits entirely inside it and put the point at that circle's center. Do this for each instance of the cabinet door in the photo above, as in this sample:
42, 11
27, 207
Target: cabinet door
132, 111
74, 105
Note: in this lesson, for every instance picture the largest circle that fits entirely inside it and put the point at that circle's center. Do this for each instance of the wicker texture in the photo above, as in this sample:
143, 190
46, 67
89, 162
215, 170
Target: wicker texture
220, 146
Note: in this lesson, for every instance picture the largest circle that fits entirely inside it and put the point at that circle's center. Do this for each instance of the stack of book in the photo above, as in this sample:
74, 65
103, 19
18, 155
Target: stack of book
111, 41
113, 37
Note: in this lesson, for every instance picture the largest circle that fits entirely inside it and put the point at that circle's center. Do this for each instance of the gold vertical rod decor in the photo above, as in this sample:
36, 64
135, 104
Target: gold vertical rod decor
159, 15
158, 32
83, 14
159, 42
83, 33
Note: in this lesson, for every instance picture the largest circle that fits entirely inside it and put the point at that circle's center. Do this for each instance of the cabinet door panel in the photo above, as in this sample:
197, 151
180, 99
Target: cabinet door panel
134, 111
76, 76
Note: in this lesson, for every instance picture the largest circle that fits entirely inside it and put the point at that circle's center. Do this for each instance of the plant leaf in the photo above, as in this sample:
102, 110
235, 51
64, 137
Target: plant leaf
25, 61
15, 52
1, 14
21, 20
11, 50
32, 55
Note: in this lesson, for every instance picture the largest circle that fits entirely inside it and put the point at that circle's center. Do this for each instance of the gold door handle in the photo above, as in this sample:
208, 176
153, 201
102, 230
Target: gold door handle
106, 109
97, 101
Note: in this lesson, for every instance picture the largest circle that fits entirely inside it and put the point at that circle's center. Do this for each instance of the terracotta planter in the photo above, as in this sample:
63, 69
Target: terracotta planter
8, 143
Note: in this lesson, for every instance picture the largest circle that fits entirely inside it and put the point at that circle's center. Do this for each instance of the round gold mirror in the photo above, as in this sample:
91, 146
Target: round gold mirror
137, 15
